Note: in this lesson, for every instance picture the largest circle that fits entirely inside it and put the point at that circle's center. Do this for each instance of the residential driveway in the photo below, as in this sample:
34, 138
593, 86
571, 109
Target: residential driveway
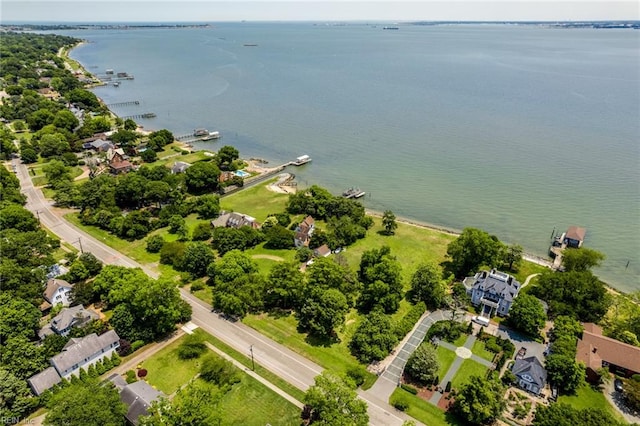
519, 340
617, 401
390, 378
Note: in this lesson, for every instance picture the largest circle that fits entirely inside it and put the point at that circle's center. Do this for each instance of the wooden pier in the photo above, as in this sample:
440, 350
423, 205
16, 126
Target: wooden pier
126, 103
143, 115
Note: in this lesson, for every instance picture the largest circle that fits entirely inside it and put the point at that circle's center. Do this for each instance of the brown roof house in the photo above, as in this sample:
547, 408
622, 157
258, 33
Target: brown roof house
322, 251
118, 163
56, 293
597, 351
304, 231
574, 237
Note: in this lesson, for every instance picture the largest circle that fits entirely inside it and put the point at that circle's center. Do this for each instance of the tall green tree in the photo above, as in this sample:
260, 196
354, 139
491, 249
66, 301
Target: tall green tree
423, 364
374, 338
15, 397
197, 258
513, 256
202, 177
565, 372
322, 312
427, 285
333, 403
285, 286
527, 315
480, 400
471, 250
381, 277
389, 222
582, 259
563, 414
86, 403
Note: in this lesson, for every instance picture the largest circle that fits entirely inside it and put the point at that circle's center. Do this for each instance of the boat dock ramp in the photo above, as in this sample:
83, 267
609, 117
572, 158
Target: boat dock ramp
126, 103
143, 115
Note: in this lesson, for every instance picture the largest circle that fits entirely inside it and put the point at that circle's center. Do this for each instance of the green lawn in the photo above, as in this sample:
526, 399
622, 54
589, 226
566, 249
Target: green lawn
467, 369
424, 411
334, 356
167, 372
244, 360
587, 397
251, 403
445, 359
256, 201
479, 349
411, 245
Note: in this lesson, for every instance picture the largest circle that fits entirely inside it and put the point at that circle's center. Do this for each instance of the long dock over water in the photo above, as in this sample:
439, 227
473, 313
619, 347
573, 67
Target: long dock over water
126, 103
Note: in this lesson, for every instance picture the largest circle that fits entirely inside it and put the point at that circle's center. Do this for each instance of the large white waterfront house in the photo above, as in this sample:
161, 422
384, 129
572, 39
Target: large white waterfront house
493, 291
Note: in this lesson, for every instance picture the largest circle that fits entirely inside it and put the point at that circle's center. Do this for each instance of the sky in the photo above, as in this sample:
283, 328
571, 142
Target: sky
86, 11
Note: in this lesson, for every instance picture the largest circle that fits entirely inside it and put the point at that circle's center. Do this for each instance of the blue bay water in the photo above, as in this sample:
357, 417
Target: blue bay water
515, 130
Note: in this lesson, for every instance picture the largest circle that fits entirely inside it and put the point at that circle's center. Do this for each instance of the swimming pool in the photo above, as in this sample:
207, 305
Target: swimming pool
242, 173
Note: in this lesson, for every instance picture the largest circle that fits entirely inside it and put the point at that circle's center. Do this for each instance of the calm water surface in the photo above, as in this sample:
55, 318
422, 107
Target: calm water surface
515, 130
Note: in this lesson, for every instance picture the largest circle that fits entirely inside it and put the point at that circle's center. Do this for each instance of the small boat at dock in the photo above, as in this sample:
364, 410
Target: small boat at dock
353, 193
211, 135
303, 159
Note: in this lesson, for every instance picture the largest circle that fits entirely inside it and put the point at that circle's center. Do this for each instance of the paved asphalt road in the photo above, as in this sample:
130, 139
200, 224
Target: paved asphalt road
290, 366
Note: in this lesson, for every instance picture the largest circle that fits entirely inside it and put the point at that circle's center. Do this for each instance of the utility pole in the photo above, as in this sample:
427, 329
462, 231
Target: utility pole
253, 365
38, 214
80, 243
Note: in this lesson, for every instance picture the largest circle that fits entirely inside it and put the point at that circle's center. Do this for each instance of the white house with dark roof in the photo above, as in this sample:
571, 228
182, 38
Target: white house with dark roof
44, 381
234, 220
76, 354
531, 374
68, 318
493, 291
57, 293
83, 352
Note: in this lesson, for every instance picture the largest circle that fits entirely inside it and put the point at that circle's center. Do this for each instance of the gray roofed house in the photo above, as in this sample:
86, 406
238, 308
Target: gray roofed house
493, 290
57, 292
44, 380
76, 316
531, 374
179, 167
138, 396
234, 220
81, 353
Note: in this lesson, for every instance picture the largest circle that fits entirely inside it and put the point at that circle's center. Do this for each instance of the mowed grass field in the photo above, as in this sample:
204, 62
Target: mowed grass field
588, 397
247, 403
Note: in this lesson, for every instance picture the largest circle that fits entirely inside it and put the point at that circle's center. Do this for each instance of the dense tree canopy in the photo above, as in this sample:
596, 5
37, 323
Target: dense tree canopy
580, 260
577, 294
322, 311
423, 364
427, 286
86, 403
332, 403
374, 338
527, 315
285, 286
381, 277
202, 177
480, 400
563, 414
471, 250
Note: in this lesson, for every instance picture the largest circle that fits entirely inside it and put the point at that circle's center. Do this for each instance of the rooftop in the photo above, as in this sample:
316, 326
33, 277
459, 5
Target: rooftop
77, 350
594, 348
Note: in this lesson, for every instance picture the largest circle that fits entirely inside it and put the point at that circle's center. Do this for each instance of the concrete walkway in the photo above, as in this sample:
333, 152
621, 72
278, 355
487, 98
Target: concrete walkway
390, 378
461, 355
256, 376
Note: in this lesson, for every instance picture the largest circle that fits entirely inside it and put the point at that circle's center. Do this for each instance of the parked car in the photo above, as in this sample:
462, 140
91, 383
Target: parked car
521, 353
617, 385
481, 320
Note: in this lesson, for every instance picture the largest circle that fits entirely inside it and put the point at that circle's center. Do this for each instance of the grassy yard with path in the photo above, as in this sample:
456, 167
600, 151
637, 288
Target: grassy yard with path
247, 403
167, 372
468, 368
445, 359
587, 397
424, 411
256, 201
480, 350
